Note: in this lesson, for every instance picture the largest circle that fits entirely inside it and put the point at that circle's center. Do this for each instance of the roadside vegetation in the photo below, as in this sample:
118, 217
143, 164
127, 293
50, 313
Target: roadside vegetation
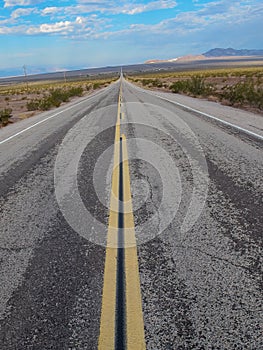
5, 114
54, 98
20, 101
238, 87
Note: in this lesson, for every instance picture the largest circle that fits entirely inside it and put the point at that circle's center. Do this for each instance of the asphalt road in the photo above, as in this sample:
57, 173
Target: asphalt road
196, 187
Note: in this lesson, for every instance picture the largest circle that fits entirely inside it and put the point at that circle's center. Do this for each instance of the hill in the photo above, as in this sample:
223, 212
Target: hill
220, 52
216, 53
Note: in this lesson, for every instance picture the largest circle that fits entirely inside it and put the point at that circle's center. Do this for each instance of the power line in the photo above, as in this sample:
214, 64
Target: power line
25, 72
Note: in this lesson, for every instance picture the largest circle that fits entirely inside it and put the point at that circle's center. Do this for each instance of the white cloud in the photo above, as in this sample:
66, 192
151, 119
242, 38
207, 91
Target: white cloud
51, 10
81, 26
79, 22
59, 27
151, 6
12, 3
186, 24
93, 1
5, 30
12, 30
110, 7
22, 12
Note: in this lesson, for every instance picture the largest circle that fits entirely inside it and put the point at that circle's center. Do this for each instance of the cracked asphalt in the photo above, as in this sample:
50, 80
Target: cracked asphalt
202, 288
197, 199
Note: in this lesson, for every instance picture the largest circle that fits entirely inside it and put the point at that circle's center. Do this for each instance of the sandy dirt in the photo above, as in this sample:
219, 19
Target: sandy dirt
219, 84
18, 104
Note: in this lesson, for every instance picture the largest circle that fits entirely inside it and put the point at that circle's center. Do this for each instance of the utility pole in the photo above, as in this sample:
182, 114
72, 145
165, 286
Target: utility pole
65, 80
26, 80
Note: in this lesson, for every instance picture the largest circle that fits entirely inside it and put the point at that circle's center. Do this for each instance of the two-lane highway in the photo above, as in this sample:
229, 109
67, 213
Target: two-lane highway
79, 183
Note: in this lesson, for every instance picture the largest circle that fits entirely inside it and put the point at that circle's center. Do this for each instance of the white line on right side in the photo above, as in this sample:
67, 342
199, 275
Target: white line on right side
251, 133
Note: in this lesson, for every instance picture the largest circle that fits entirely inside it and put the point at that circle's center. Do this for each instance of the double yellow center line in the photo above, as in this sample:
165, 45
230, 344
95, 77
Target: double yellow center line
121, 324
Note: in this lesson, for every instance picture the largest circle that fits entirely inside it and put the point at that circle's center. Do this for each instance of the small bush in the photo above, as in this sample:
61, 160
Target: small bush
57, 96
32, 105
96, 86
246, 93
75, 91
179, 86
47, 103
147, 82
157, 83
195, 86
5, 114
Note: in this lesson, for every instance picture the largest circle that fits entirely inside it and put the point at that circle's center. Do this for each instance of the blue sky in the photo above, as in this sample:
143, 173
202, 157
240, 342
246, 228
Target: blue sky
66, 34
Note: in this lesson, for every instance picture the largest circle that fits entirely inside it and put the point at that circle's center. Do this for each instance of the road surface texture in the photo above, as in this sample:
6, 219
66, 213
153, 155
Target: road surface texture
196, 186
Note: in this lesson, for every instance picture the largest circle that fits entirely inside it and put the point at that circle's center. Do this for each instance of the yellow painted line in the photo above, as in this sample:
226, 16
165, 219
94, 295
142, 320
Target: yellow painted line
134, 314
107, 320
120, 114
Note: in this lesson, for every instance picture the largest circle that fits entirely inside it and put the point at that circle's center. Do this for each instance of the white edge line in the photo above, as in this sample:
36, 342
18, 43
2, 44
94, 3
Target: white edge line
50, 117
202, 113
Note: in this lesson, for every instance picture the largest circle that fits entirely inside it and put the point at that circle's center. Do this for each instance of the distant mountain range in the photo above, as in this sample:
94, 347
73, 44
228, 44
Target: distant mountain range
212, 54
219, 52
211, 58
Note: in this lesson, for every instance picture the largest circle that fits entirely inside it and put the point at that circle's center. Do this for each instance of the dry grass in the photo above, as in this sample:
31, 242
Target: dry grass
22, 100
238, 87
